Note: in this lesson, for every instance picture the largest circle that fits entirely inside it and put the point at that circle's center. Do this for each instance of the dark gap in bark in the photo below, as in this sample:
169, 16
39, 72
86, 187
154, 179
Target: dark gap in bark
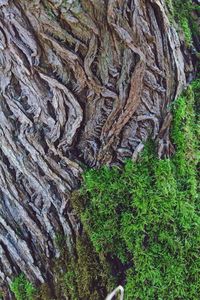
5, 109
42, 140
173, 92
7, 163
12, 265
27, 236
40, 171
65, 26
21, 54
129, 12
51, 110
16, 91
26, 106
159, 17
152, 29
73, 235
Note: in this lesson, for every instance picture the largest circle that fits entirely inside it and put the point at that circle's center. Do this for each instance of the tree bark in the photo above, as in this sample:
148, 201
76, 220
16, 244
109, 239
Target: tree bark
81, 81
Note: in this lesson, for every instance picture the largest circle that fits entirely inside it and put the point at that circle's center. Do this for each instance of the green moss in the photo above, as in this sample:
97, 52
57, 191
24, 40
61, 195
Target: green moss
184, 22
22, 288
187, 153
148, 215
181, 11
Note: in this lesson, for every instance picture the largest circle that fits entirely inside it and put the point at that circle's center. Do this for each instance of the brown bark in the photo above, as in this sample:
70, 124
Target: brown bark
81, 81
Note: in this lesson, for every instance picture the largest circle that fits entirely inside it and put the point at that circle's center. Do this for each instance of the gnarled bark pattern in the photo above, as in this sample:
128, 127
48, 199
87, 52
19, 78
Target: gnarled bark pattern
80, 81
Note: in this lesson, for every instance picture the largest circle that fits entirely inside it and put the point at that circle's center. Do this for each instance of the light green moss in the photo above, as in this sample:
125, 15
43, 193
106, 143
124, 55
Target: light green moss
22, 288
181, 12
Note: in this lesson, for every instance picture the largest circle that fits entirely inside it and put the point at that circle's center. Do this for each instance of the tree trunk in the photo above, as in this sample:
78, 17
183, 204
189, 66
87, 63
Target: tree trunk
81, 82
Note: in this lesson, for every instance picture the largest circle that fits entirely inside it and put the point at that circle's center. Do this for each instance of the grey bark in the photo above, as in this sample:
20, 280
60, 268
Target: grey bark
81, 81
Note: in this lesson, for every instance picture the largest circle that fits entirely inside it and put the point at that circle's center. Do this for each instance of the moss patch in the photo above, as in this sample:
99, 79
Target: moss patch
22, 288
182, 12
148, 215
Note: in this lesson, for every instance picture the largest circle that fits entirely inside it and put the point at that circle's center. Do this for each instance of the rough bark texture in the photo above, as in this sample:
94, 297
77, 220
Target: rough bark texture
81, 81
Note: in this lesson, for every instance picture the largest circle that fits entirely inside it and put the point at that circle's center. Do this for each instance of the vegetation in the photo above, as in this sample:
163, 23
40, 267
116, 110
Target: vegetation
1, 295
22, 288
147, 217
181, 11
81, 275
149, 213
